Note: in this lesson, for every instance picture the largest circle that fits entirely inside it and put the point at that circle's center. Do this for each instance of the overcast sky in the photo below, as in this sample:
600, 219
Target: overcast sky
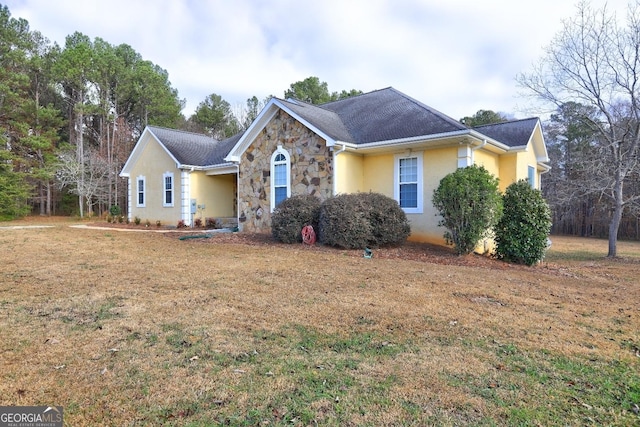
457, 56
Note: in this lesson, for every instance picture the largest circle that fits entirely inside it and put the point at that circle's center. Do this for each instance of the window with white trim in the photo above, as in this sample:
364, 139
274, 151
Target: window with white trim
140, 191
280, 177
408, 182
168, 190
532, 176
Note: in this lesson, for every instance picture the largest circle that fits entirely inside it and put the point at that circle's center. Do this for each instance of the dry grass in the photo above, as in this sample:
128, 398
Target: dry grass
143, 328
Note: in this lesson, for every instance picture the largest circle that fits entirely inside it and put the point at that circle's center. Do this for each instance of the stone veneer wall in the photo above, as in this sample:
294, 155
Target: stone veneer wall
311, 169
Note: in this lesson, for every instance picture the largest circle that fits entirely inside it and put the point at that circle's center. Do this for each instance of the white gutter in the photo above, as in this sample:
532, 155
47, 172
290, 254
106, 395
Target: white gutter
425, 138
335, 155
411, 140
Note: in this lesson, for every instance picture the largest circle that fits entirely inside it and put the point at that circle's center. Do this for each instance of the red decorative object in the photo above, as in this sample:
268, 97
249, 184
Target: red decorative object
308, 235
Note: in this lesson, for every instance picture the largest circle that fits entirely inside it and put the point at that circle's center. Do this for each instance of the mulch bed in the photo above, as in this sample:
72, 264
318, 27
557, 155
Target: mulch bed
423, 252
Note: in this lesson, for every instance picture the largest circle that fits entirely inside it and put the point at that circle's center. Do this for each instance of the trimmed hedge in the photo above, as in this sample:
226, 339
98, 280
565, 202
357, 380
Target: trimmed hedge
356, 221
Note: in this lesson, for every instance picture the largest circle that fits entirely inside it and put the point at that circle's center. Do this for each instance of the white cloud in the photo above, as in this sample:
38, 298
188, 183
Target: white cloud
457, 56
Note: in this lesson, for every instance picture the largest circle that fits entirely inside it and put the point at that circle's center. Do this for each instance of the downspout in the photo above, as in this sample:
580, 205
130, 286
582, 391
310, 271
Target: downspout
473, 150
335, 155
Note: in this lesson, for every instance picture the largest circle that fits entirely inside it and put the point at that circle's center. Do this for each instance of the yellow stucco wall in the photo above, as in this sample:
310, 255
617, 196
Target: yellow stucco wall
378, 174
349, 173
436, 164
525, 160
216, 192
508, 170
515, 166
152, 163
490, 161
375, 172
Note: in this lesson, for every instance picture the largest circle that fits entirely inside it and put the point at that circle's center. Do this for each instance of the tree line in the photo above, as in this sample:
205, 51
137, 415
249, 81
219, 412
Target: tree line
70, 115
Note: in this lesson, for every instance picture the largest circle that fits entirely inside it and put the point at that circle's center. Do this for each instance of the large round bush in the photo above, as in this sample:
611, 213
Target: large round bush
362, 220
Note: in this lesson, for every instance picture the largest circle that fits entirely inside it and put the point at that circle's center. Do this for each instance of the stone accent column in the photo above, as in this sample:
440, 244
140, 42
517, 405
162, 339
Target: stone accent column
311, 169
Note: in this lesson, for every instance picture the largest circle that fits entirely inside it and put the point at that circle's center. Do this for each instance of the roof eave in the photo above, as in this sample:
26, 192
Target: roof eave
404, 141
329, 140
267, 113
221, 169
426, 138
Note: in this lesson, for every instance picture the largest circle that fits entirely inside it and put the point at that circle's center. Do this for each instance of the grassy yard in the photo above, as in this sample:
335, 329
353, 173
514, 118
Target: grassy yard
126, 328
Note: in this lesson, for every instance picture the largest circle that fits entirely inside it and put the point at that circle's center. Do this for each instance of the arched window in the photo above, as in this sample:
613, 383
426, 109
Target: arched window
280, 177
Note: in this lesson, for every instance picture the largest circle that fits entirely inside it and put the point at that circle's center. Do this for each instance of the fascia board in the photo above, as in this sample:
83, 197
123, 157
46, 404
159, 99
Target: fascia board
267, 113
330, 141
135, 153
412, 140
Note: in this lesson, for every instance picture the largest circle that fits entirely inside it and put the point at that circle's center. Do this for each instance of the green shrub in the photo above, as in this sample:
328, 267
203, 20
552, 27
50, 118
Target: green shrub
360, 220
291, 215
136, 220
522, 232
115, 211
470, 204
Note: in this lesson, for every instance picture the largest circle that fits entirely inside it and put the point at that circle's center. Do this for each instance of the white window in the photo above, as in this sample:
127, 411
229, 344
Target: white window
532, 177
140, 190
168, 190
408, 182
280, 177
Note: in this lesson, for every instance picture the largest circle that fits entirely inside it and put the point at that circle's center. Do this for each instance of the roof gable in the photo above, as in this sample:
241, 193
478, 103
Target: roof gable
517, 134
514, 133
186, 149
146, 137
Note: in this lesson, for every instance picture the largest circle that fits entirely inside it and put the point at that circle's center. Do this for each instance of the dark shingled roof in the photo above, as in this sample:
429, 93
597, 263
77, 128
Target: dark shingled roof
222, 150
381, 115
193, 149
325, 120
515, 133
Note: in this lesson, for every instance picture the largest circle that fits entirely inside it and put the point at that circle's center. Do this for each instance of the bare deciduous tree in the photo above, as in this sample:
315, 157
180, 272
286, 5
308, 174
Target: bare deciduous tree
88, 179
596, 62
